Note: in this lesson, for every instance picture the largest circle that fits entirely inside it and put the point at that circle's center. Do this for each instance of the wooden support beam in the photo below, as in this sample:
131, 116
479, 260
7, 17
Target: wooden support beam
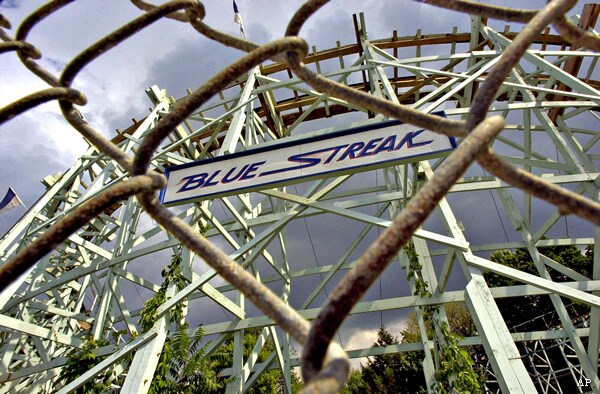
588, 19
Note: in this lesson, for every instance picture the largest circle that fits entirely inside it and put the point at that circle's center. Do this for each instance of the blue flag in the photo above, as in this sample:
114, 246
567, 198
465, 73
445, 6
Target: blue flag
10, 201
237, 18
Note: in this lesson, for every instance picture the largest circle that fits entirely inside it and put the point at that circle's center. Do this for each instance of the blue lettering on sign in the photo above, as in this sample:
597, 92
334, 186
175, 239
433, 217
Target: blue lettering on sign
252, 168
408, 140
351, 151
305, 160
227, 179
210, 181
192, 182
370, 145
387, 145
335, 152
204, 179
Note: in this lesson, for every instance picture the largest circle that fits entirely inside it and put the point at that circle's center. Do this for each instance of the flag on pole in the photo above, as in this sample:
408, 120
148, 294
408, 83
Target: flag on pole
237, 18
10, 201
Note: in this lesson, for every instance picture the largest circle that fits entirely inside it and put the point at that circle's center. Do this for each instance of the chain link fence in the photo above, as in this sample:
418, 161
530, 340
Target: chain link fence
325, 366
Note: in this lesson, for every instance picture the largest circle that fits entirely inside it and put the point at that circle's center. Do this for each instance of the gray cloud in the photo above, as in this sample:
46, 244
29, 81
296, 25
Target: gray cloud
10, 3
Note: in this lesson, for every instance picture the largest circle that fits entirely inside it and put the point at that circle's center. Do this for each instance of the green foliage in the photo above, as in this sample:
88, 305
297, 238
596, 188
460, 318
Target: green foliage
391, 373
455, 372
570, 256
172, 276
182, 366
531, 313
149, 315
414, 271
519, 314
460, 368
403, 372
80, 361
355, 383
269, 382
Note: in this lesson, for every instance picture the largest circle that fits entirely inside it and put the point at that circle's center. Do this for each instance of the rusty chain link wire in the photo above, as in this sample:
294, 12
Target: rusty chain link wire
324, 364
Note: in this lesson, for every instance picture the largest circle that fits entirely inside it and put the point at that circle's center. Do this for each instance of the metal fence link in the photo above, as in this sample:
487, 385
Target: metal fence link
323, 370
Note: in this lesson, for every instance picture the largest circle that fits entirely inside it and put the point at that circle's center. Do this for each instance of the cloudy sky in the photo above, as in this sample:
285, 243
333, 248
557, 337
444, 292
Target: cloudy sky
169, 54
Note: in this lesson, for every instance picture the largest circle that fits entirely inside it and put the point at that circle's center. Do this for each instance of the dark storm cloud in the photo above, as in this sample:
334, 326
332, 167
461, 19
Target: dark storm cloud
10, 3
196, 62
324, 31
412, 16
26, 161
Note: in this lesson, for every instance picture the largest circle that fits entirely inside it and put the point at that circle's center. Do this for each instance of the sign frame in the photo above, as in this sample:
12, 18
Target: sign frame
298, 142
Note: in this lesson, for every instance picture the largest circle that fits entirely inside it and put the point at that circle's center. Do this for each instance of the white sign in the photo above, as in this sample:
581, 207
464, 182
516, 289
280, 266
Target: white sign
362, 148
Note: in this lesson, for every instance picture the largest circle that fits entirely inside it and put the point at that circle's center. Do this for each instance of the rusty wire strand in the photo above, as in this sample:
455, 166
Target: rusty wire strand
5, 23
214, 34
305, 11
567, 201
324, 363
486, 94
20, 46
38, 15
121, 34
25, 27
275, 308
449, 127
80, 61
74, 220
576, 35
32, 100
377, 256
336, 361
215, 84
227, 39
178, 16
404, 113
6, 37
94, 137
351, 288
569, 31
487, 10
